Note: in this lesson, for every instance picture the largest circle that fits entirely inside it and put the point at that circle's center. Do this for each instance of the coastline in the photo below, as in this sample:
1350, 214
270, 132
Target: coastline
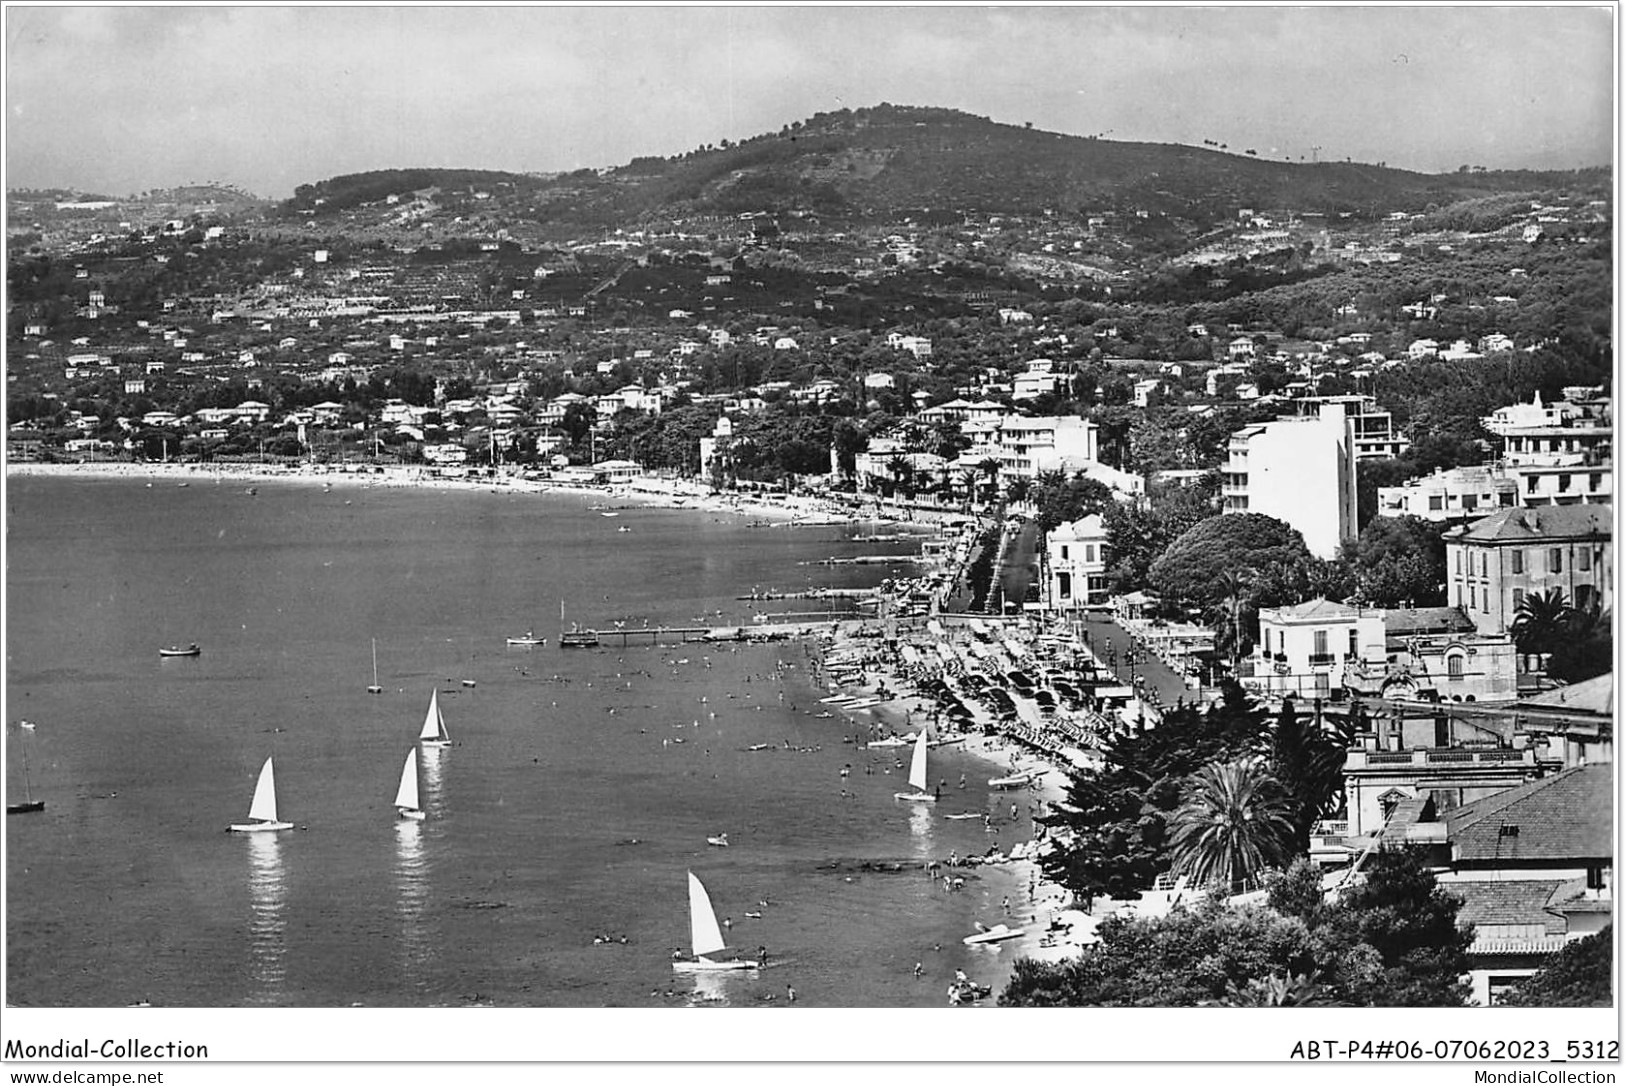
651, 492
1055, 928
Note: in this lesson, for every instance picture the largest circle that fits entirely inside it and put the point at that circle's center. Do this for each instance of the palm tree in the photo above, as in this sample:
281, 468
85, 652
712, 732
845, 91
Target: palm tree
1235, 595
990, 468
968, 480
1234, 823
1542, 621
1306, 756
901, 470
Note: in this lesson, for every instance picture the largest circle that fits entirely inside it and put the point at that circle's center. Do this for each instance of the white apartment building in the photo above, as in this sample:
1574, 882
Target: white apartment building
1464, 493
1028, 447
1301, 471
1374, 435
1031, 385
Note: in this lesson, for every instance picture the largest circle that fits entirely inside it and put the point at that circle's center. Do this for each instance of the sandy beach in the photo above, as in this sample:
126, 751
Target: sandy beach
1055, 928
649, 492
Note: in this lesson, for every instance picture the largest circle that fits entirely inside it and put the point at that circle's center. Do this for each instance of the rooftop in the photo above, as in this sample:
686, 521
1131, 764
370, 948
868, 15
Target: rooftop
1541, 523
1566, 816
1521, 901
1318, 608
1591, 696
1410, 621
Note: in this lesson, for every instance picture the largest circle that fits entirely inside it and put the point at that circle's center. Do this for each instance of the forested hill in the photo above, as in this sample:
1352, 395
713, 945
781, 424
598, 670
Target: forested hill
889, 160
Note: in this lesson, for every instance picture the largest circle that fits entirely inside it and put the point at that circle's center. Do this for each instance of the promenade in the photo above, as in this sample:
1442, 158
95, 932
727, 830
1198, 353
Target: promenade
1107, 638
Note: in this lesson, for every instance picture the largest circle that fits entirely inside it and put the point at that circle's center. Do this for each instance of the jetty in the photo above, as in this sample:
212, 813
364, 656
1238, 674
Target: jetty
592, 638
814, 594
866, 560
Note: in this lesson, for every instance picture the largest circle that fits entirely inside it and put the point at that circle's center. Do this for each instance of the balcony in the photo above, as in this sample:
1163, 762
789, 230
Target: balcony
1322, 659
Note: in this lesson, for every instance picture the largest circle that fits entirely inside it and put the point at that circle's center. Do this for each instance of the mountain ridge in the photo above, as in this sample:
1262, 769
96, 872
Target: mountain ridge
876, 161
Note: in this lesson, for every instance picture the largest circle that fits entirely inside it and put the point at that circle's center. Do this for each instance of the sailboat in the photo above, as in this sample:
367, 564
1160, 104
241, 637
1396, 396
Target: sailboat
263, 810
29, 804
375, 688
916, 774
705, 937
406, 796
434, 725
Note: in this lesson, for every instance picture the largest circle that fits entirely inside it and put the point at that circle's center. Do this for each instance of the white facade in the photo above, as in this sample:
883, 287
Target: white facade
1465, 492
1076, 560
1301, 471
1030, 446
1030, 386
1302, 650
1524, 415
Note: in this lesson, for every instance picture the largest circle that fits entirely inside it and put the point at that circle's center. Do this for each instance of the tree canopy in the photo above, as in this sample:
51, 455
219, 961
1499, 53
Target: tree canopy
1398, 562
1269, 550
1115, 822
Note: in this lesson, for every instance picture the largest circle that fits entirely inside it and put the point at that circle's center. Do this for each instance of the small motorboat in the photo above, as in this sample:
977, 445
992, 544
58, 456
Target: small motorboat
180, 650
720, 840
996, 934
528, 638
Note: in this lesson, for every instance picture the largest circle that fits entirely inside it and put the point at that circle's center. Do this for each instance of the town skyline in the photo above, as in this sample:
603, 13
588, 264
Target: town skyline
266, 99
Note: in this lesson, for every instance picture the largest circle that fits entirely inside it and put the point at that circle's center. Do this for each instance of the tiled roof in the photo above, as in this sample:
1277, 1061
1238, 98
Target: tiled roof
1591, 696
1089, 527
1511, 902
1567, 816
1541, 523
1405, 621
1320, 607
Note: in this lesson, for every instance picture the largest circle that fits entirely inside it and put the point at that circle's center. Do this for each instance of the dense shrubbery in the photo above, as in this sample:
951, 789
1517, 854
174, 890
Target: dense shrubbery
1579, 975
1391, 940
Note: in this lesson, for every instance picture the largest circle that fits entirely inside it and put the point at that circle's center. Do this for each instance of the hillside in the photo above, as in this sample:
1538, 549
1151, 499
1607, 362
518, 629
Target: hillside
892, 162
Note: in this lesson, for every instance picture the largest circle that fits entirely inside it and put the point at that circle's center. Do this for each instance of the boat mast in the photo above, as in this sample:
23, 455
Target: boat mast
28, 787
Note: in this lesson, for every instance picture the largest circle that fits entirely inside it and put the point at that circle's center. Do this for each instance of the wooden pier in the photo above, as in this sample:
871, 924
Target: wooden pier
656, 635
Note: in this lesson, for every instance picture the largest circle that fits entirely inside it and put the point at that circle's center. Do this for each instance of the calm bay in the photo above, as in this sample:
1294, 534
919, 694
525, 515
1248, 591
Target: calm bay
581, 785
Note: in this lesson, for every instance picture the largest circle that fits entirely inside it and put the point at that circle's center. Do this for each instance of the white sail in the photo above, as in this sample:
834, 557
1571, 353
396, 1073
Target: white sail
407, 794
702, 920
916, 769
264, 806
434, 725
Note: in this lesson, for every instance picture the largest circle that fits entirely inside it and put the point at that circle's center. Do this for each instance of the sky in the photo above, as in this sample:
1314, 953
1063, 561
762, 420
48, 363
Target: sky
122, 99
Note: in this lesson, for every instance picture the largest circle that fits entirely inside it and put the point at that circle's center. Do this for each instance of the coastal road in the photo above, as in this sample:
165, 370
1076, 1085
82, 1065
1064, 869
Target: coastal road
1158, 675
1020, 566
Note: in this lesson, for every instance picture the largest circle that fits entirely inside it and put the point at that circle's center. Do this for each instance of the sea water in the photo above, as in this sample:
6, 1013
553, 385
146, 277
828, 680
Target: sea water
580, 788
